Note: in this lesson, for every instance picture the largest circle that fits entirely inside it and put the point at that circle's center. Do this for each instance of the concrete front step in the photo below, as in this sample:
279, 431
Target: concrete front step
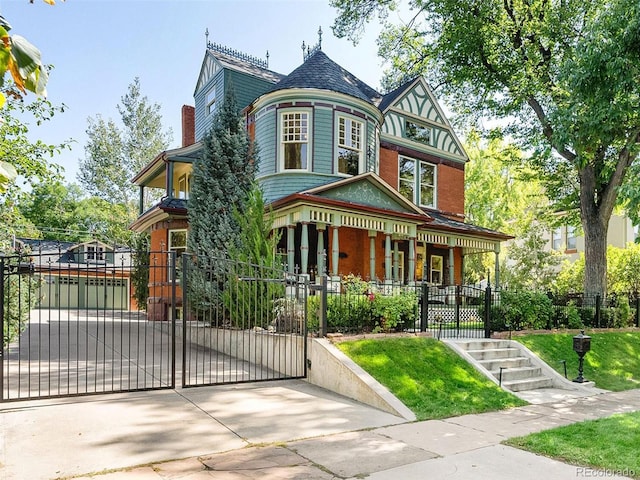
494, 353
496, 363
528, 384
518, 373
484, 344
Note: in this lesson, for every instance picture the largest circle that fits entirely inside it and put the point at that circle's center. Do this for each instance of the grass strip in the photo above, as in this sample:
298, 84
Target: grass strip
613, 362
609, 445
428, 377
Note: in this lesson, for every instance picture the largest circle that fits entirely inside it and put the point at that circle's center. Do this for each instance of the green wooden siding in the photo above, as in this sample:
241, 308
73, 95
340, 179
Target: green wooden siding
283, 184
203, 121
323, 143
266, 138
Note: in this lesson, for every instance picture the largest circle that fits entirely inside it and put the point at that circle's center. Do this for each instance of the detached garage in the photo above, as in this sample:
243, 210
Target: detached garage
91, 275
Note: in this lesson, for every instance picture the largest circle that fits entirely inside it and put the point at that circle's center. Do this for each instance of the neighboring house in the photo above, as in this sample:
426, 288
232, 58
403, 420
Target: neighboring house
89, 275
359, 182
569, 241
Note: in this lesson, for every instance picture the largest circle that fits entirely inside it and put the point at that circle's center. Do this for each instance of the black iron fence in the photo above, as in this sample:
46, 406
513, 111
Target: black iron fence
70, 326
243, 322
353, 306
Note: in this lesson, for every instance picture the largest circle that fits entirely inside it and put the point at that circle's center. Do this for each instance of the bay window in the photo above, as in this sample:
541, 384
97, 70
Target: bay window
349, 146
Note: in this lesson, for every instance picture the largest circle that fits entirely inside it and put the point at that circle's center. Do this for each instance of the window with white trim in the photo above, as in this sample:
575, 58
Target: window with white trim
210, 101
178, 244
436, 269
349, 146
417, 181
572, 240
295, 128
95, 253
556, 239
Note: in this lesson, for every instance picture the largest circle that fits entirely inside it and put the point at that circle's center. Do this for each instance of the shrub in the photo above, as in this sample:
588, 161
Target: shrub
523, 310
391, 312
20, 296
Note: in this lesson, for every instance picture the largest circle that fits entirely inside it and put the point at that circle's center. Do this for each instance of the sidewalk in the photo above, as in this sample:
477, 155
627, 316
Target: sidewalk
292, 430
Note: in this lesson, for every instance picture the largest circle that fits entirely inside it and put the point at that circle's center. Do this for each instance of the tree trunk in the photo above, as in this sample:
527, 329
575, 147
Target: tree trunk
595, 217
595, 254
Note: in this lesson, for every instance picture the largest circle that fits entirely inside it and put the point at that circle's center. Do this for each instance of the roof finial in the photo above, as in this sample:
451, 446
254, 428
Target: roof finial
206, 34
267, 58
320, 37
304, 51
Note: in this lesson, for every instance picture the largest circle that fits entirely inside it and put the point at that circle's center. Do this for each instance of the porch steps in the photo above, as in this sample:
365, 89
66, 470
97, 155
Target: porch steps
508, 363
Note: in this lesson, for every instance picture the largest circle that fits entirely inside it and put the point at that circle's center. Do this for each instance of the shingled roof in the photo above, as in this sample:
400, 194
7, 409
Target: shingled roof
320, 72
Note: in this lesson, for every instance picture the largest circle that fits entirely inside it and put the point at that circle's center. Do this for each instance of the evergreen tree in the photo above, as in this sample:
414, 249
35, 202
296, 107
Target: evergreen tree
222, 179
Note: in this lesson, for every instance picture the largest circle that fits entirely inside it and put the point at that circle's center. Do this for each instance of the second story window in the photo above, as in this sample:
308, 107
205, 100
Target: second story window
349, 146
211, 101
295, 140
556, 239
417, 181
572, 242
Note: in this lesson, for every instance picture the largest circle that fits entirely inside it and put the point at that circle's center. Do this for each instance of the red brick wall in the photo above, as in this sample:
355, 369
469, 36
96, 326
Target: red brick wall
450, 189
389, 167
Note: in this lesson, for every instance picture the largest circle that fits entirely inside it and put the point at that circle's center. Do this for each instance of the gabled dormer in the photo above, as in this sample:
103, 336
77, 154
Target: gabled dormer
222, 68
413, 118
421, 154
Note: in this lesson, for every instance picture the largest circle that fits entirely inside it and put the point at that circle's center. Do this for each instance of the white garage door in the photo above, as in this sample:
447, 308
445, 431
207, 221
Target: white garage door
85, 292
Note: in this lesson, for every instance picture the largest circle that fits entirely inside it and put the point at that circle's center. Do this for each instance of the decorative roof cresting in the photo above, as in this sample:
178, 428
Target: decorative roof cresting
308, 50
231, 52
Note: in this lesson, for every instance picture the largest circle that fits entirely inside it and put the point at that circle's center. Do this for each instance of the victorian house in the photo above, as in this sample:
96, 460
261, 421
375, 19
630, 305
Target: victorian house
358, 181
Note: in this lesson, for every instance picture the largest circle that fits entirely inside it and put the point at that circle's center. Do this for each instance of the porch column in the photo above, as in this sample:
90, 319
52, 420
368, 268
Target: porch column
304, 248
169, 182
320, 253
335, 251
496, 250
291, 249
396, 261
372, 254
452, 271
387, 257
411, 275
141, 200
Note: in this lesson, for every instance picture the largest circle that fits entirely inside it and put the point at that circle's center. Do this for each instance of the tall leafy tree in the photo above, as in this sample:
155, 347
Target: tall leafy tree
501, 195
114, 154
221, 182
29, 159
564, 74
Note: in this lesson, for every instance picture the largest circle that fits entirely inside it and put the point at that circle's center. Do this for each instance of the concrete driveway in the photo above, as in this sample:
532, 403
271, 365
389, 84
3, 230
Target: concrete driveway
48, 439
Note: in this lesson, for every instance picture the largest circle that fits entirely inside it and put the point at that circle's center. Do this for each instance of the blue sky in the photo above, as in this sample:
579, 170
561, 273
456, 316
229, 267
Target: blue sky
99, 46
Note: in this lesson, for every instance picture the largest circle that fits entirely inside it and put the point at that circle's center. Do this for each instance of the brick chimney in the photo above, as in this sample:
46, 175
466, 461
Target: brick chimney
188, 125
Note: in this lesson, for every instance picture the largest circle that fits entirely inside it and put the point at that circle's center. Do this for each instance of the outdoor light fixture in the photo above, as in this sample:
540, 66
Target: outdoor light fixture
581, 345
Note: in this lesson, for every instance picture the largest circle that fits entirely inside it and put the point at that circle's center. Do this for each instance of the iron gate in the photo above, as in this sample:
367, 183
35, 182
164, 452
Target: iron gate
71, 327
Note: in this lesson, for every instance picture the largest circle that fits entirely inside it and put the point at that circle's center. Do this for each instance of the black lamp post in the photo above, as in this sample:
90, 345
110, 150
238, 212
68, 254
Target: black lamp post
581, 345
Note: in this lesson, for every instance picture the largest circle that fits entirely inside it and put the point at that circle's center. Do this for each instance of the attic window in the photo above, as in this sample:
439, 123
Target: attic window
417, 133
95, 254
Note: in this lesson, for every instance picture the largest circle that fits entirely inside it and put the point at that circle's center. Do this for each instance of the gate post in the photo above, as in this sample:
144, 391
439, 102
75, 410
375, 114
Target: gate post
2, 302
598, 302
424, 313
322, 314
185, 313
637, 310
457, 308
487, 312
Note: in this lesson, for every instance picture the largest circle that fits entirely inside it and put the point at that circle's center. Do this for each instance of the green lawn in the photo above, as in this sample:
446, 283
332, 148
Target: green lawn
428, 377
613, 362
607, 444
